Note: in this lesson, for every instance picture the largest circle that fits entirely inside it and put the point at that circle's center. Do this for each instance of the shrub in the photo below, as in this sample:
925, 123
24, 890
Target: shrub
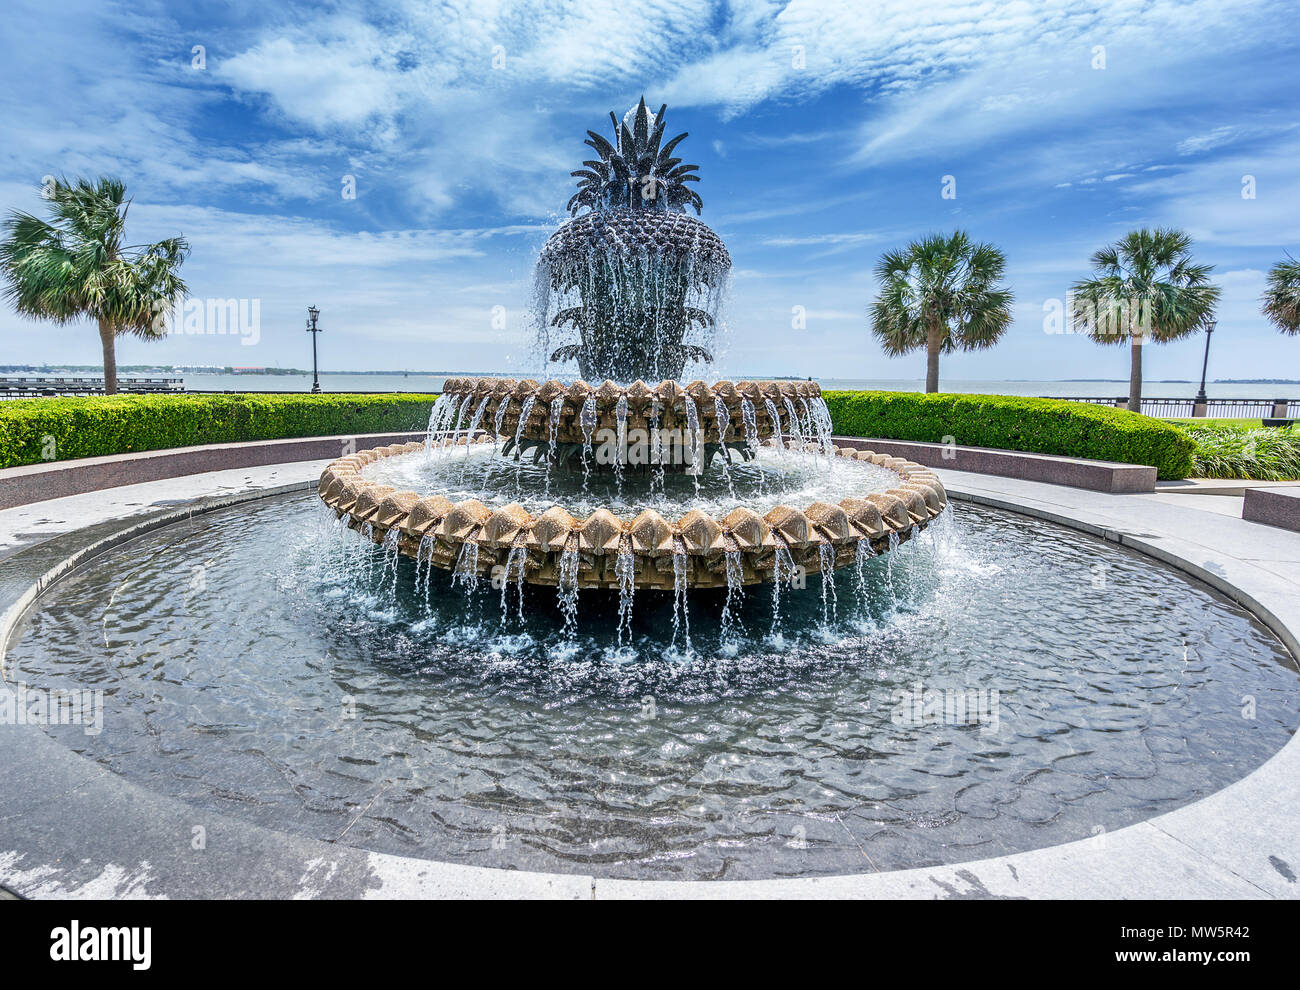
1261, 453
1043, 426
97, 425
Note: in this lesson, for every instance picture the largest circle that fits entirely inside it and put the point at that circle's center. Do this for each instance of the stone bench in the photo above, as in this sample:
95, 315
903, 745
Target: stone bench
1075, 472
1273, 507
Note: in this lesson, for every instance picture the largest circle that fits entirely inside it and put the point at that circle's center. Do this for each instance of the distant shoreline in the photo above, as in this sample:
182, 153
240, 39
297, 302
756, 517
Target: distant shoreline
210, 371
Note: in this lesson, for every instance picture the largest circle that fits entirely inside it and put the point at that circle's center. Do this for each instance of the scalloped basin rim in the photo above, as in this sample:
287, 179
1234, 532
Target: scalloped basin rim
822, 536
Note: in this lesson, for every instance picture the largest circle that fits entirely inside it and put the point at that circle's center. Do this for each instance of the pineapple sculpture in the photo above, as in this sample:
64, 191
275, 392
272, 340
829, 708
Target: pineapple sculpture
632, 274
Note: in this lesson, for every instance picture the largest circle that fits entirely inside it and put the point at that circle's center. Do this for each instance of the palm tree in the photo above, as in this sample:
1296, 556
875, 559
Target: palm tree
941, 293
1144, 287
76, 266
1282, 298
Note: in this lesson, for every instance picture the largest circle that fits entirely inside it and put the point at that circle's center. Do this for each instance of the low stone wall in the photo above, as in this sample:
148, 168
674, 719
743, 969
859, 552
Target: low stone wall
38, 482
1075, 472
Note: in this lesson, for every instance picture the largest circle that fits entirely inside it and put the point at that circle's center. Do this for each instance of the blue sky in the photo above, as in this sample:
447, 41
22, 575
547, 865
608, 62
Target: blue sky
823, 132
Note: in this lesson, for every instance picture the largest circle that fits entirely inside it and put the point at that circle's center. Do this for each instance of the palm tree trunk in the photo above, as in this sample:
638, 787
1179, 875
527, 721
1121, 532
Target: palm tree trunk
1135, 377
933, 338
106, 338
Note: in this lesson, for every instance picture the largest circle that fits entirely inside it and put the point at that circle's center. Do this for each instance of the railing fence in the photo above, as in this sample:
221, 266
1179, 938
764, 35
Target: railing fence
1214, 408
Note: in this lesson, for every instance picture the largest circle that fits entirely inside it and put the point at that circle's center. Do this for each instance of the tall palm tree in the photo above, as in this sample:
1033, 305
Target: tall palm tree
940, 293
1144, 288
76, 266
1282, 297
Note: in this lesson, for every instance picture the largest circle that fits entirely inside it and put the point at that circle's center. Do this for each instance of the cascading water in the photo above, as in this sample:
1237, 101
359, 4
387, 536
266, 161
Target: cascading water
826, 552
460, 415
635, 276
472, 431
587, 421
424, 568
557, 407
889, 571
735, 591
782, 572
625, 569
567, 586
723, 418
436, 416
620, 449
391, 557
514, 566
681, 609
776, 420
749, 417
466, 572
656, 452
696, 449
825, 428
863, 553
502, 408
525, 411
792, 421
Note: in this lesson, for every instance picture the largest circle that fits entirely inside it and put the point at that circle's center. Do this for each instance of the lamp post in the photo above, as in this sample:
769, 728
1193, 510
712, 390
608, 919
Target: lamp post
313, 329
1200, 404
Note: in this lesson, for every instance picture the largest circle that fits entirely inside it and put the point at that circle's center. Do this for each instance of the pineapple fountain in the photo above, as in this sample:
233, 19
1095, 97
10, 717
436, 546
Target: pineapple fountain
577, 485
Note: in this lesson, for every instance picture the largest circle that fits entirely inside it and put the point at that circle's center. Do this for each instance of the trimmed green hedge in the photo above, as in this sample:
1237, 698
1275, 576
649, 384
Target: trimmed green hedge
1043, 426
97, 425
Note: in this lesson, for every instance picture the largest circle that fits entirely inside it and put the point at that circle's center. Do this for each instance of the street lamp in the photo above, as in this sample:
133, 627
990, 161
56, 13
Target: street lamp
313, 329
1200, 405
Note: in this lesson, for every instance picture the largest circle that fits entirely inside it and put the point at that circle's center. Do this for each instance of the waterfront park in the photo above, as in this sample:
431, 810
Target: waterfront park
624, 618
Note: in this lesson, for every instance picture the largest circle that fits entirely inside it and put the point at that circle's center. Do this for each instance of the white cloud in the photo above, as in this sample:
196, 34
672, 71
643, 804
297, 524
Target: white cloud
1204, 142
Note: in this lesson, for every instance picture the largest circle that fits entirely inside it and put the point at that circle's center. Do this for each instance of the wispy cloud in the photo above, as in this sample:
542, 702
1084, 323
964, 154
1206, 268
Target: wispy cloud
822, 127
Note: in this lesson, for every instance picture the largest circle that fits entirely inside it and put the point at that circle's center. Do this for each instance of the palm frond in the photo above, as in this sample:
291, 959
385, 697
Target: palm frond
944, 281
1282, 296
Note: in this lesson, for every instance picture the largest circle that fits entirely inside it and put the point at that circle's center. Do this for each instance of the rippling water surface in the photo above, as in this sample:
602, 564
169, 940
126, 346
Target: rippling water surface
995, 685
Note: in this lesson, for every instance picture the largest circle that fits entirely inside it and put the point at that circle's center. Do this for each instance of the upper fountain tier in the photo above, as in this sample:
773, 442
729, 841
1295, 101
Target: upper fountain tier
541, 415
635, 275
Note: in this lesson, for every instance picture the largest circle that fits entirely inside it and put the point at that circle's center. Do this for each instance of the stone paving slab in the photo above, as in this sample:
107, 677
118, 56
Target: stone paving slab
29, 524
1139, 862
1216, 486
1224, 505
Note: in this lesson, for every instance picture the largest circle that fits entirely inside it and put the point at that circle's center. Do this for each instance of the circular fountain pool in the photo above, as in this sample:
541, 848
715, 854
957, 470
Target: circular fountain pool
991, 686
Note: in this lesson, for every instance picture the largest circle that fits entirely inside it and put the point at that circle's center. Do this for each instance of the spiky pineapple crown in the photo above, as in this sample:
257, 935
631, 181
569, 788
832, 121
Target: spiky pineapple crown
636, 172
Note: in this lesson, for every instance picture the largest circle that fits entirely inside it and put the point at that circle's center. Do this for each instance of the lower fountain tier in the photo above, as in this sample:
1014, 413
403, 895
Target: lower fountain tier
652, 552
579, 413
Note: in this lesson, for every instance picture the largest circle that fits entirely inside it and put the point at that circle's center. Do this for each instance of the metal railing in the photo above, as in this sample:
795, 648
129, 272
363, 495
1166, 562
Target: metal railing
1214, 408
23, 388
